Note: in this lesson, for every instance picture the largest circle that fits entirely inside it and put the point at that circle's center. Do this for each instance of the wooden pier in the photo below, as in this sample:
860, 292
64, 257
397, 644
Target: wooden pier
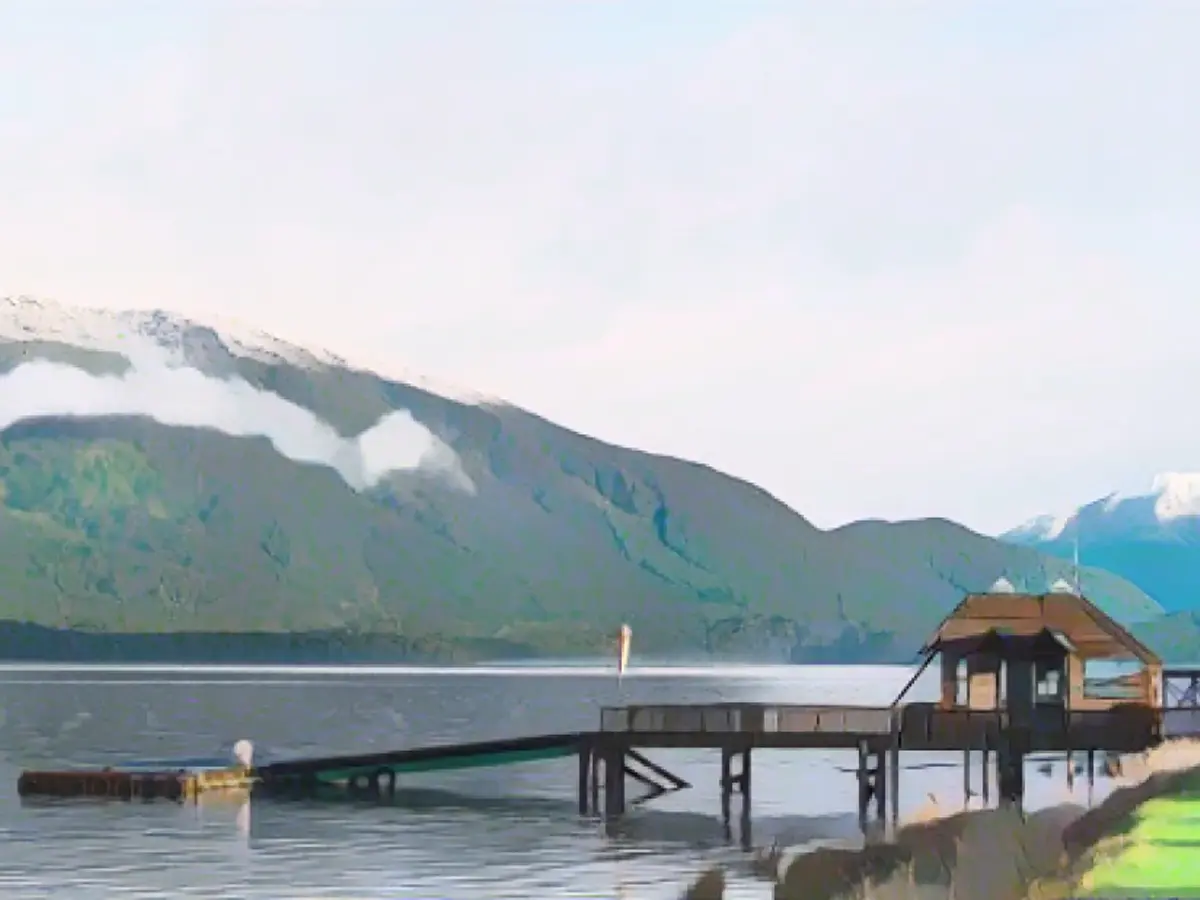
618, 754
879, 735
1012, 686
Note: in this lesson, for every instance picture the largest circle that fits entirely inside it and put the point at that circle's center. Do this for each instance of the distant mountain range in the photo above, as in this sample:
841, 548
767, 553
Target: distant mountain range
167, 484
1151, 538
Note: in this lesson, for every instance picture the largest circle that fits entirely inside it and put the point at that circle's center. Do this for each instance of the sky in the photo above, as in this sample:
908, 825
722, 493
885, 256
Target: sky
886, 260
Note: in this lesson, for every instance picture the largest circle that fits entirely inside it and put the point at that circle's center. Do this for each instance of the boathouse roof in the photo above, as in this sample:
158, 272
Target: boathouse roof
1087, 630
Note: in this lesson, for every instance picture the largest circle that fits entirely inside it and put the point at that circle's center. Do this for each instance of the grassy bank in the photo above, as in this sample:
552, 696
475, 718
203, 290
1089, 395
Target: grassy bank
1142, 841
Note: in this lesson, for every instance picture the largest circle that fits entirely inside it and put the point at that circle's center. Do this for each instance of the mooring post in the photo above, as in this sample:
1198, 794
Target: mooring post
585, 765
1070, 771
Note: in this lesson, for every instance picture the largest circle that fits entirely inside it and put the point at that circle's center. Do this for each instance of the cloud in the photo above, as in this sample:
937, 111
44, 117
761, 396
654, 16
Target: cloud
186, 397
910, 262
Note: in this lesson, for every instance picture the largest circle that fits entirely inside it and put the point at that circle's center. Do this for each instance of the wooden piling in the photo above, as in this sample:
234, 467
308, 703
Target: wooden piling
595, 781
1010, 761
966, 777
864, 786
894, 778
744, 780
585, 767
1091, 774
744, 777
614, 782
881, 787
985, 776
726, 784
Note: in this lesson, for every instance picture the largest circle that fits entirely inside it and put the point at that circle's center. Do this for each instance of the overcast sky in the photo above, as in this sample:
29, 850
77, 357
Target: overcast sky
884, 259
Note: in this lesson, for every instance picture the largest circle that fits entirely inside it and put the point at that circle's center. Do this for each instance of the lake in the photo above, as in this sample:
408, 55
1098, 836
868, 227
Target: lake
483, 834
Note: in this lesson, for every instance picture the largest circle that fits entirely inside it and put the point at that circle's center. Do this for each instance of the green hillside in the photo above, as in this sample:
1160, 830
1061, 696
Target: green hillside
123, 525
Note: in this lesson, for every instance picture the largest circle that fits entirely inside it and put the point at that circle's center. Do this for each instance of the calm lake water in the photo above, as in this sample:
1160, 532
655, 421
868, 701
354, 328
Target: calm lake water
483, 834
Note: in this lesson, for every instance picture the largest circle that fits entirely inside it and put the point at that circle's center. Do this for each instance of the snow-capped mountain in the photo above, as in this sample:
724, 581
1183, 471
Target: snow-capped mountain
209, 345
1170, 510
1150, 537
234, 490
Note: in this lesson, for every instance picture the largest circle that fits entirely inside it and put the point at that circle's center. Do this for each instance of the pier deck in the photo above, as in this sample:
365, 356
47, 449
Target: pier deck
913, 726
612, 756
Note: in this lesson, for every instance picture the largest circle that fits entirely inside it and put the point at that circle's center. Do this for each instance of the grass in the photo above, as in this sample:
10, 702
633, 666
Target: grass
1159, 856
1142, 841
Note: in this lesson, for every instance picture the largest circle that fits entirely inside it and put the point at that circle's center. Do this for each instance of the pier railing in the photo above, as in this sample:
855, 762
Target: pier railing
755, 718
915, 725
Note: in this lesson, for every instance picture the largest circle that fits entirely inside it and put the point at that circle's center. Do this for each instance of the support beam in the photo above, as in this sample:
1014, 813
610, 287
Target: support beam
675, 781
656, 789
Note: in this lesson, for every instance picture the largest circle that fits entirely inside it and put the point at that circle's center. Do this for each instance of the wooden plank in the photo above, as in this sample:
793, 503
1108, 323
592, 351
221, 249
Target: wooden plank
797, 720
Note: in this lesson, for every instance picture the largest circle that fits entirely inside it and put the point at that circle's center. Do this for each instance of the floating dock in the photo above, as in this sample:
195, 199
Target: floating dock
133, 784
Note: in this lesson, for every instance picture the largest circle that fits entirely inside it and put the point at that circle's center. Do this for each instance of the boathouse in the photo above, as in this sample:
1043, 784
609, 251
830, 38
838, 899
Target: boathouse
1029, 654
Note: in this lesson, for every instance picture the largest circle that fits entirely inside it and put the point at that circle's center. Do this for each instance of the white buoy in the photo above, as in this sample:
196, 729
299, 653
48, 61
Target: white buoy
243, 752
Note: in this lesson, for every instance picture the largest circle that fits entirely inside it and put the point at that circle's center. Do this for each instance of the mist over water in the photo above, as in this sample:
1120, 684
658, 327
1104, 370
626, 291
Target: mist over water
186, 397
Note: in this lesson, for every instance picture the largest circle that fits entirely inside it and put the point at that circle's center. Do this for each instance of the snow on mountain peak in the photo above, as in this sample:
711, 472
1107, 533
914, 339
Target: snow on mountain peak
1172, 497
1178, 495
25, 319
1175, 495
1043, 528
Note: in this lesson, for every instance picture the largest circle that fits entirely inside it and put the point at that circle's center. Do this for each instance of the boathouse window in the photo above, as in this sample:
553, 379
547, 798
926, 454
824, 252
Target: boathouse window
1048, 681
1109, 679
1002, 685
962, 684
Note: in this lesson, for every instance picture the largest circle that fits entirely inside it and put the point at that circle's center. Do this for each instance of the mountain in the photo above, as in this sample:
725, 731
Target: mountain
182, 480
1150, 538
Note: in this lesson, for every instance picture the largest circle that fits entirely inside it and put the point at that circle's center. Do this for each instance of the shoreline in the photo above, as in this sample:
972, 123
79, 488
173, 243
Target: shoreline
1054, 853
